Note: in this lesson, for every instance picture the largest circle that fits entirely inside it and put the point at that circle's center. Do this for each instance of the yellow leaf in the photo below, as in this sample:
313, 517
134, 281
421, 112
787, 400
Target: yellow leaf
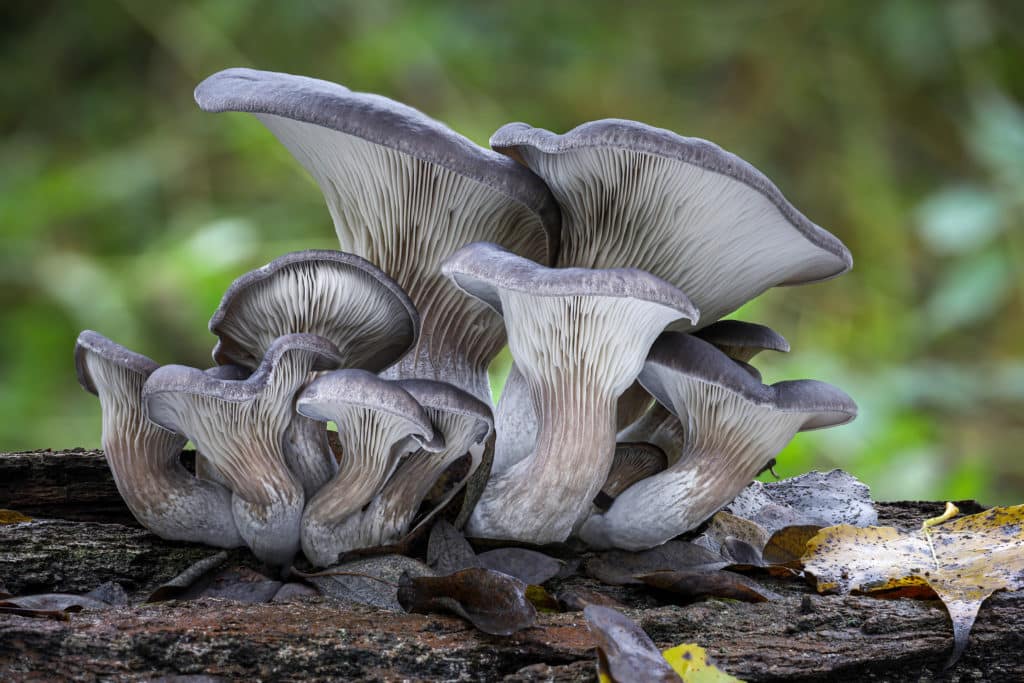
12, 517
690, 661
964, 561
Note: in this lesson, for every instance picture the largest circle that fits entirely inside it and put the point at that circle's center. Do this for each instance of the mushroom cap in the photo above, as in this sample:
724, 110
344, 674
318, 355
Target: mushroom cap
633, 462
379, 120
171, 381
327, 395
675, 354
444, 397
340, 296
90, 342
741, 340
484, 269
681, 208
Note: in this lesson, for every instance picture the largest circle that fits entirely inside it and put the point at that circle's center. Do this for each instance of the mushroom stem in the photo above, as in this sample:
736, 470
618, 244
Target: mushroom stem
308, 454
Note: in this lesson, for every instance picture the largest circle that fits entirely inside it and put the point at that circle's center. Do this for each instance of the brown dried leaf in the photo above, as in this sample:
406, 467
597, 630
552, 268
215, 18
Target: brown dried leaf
179, 584
369, 581
788, 545
697, 585
964, 561
625, 654
493, 602
529, 566
620, 567
577, 599
448, 551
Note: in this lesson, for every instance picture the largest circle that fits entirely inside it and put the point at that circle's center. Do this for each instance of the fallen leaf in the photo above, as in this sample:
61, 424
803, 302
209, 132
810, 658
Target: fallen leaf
54, 602
620, 567
576, 599
369, 581
963, 561
493, 602
448, 551
293, 591
529, 566
170, 590
696, 585
691, 662
13, 517
625, 654
542, 600
788, 545
725, 525
814, 498
240, 584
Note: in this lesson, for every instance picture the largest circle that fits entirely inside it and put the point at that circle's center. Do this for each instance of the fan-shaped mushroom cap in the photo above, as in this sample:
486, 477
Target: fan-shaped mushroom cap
339, 296
735, 426
683, 209
143, 457
632, 462
579, 338
378, 423
742, 340
465, 423
658, 427
404, 191
239, 426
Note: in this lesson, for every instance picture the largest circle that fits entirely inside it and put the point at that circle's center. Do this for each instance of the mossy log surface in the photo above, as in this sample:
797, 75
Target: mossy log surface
802, 636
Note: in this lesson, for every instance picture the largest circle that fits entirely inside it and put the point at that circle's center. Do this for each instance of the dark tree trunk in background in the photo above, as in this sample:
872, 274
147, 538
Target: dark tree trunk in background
89, 537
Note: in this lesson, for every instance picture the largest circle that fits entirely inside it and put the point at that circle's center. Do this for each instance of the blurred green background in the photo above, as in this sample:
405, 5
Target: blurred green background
899, 126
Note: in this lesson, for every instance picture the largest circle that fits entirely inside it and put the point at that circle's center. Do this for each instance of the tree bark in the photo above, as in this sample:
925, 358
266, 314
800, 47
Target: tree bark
802, 636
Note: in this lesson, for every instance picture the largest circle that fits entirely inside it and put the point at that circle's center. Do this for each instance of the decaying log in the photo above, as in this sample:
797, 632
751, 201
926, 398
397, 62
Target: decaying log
802, 636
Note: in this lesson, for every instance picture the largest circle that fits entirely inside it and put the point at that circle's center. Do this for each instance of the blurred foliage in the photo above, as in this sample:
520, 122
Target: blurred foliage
897, 125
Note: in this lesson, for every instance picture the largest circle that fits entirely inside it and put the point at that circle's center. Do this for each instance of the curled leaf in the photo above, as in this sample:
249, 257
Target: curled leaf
696, 585
369, 581
448, 550
691, 662
620, 567
625, 654
493, 602
529, 566
964, 561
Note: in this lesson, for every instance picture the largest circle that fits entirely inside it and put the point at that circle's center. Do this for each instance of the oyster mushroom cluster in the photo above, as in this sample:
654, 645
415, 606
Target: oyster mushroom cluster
605, 259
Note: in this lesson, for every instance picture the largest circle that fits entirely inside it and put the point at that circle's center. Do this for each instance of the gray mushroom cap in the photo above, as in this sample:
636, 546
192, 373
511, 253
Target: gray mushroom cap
446, 398
240, 426
681, 208
633, 462
144, 457
734, 426
741, 340
578, 337
404, 192
339, 296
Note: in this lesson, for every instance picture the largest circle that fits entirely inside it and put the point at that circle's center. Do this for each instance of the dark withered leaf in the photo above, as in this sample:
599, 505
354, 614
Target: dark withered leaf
293, 591
625, 653
696, 585
576, 599
529, 566
180, 583
620, 567
742, 553
54, 602
369, 581
240, 584
814, 498
724, 525
493, 602
448, 551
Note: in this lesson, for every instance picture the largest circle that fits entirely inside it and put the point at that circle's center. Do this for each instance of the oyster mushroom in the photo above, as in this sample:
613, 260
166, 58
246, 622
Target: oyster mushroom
239, 426
465, 423
734, 426
341, 297
144, 457
378, 423
404, 191
579, 337
683, 209
632, 462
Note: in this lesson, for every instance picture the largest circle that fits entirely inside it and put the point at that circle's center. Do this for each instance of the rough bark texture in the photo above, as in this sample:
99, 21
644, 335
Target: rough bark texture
803, 636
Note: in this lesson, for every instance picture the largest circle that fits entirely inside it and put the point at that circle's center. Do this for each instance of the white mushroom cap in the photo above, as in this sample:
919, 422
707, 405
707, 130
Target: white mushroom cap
734, 426
684, 209
239, 426
404, 191
144, 457
378, 422
579, 338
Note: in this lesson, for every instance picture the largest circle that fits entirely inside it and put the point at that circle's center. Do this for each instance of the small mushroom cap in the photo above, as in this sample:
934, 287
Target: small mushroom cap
675, 354
172, 380
484, 269
633, 462
742, 340
634, 136
378, 120
232, 372
327, 395
446, 398
340, 296
95, 343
